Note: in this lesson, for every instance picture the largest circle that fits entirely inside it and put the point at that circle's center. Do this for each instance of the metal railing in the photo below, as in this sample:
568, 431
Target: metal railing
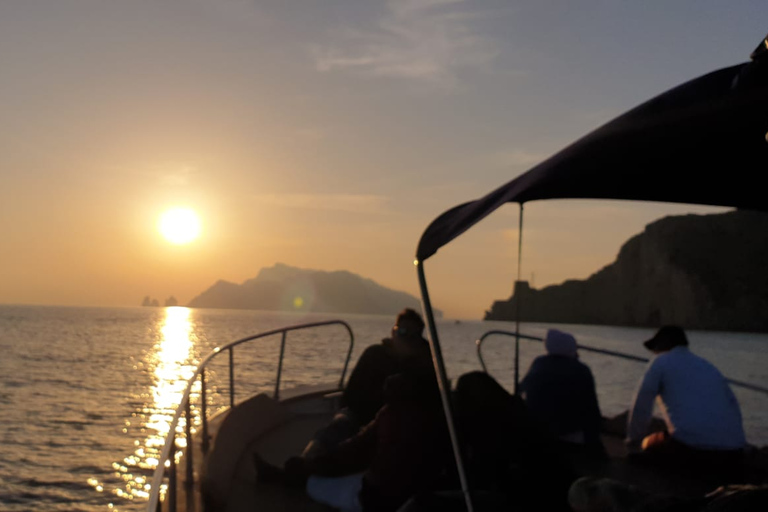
166, 465
479, 344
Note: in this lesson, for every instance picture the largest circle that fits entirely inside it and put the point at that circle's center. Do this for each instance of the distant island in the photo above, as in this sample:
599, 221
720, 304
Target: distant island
286, 288
699, 271
150, 302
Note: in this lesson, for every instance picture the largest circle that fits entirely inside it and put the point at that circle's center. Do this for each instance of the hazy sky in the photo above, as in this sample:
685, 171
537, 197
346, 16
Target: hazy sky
320, 134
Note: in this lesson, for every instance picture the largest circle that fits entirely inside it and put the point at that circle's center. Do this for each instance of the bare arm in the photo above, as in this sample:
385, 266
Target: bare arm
642, 409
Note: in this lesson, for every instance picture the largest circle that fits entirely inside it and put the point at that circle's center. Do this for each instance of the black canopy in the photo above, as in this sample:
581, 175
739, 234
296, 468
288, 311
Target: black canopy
703, 142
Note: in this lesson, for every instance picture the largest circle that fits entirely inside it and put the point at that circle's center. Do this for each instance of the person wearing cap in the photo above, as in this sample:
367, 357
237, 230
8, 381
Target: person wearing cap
560, 390
701, 413
405, 351
404, 451
387, 438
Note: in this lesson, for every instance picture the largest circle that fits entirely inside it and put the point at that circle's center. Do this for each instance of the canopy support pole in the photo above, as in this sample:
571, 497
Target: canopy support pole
515, 291
443, 383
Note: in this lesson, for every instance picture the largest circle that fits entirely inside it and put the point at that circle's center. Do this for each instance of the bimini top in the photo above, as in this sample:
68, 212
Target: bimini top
702, 142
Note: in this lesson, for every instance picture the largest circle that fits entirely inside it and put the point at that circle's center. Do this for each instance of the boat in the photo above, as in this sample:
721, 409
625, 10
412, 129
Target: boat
668, 149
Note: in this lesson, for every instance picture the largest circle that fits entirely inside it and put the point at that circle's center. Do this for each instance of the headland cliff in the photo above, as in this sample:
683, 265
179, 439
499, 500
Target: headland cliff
699, 271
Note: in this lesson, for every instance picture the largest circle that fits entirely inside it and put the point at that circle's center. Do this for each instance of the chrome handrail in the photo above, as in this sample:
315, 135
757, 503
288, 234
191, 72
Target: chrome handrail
622, 355
167, 455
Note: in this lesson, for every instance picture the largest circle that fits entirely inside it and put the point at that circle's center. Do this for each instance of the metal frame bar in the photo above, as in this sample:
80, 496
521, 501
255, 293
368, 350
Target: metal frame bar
519, 298
204, 412
172, 480
189, 480
231, 376
443, 383
280, 367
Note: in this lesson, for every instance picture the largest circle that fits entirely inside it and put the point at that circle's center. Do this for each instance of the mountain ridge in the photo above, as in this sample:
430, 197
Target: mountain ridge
286, 288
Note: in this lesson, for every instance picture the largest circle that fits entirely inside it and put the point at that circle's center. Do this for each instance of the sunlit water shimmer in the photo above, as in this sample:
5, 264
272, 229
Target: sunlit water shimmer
87, 394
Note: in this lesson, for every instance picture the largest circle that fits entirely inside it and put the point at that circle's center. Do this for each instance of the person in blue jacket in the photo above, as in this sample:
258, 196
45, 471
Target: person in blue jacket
560, 390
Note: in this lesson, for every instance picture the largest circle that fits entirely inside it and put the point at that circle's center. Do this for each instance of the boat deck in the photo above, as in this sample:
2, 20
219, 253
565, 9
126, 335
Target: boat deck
277, 431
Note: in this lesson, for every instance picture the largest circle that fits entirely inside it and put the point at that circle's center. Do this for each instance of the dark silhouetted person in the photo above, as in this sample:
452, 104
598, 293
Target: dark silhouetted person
405, 351
508, 451
403, 451
560, 390
704, 434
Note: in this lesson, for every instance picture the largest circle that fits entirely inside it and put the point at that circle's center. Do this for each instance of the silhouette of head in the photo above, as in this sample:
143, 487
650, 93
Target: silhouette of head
667, 338
559, 343
408, 325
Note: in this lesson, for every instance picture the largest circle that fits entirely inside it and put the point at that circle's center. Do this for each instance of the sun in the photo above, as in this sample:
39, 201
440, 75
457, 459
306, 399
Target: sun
179, 225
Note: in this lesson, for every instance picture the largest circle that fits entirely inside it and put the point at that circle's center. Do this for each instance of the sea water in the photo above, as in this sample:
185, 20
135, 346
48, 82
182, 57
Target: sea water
87, 394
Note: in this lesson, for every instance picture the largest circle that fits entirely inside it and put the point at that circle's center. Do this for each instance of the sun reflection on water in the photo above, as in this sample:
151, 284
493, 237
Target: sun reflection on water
171, 364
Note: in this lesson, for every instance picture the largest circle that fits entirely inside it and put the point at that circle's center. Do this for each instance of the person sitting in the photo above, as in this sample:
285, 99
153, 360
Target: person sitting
406, 348
363, 396
560, 390
704, 432
507, 450
403, 451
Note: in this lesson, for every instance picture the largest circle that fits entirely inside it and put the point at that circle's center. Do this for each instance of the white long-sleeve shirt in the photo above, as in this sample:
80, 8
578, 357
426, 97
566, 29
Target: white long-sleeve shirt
697, 403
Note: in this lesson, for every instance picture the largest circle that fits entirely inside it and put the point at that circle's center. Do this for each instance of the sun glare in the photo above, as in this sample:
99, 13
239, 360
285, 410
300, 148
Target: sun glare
179, 225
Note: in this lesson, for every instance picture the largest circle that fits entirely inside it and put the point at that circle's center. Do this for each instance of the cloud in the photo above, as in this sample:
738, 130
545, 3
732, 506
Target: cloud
350, 203
426, 40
